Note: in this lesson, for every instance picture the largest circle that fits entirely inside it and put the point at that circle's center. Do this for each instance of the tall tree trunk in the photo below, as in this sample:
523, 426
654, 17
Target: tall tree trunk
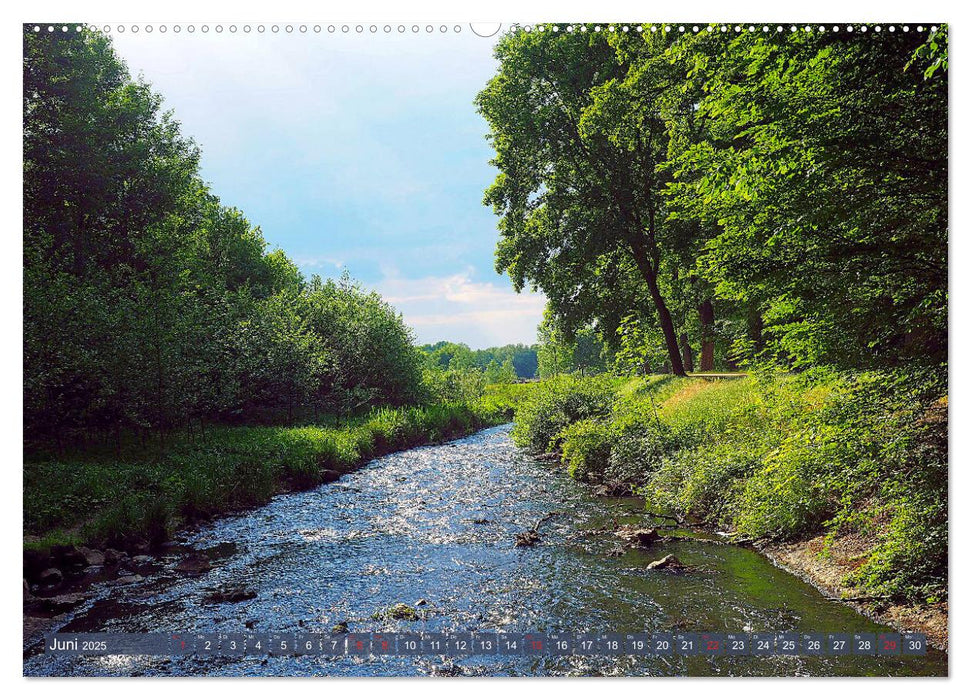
689, 363
754, 319
707, 315
647, 259
649, 274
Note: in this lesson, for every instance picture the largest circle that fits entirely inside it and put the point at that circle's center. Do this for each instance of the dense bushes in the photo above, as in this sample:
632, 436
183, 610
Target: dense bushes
586, 448
563, 400
150, 306
772, 456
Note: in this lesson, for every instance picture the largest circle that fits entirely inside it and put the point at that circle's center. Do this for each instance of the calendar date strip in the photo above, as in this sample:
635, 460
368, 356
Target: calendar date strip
489, 644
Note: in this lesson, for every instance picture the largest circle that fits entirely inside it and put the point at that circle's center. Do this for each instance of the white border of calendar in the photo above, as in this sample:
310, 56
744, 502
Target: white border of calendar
506, 11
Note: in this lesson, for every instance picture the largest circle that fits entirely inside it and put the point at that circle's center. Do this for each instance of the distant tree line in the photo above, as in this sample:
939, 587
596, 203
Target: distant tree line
506, 363
149, 305
700, 199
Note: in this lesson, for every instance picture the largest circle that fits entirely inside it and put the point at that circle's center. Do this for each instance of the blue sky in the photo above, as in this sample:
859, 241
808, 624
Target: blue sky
357, 151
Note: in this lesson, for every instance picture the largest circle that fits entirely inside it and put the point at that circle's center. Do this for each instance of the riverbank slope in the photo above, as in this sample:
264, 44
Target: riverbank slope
133, 500
841, 477
828, 566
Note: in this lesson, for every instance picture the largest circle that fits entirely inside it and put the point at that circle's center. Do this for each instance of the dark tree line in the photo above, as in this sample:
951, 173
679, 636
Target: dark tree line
700, 199
148, 305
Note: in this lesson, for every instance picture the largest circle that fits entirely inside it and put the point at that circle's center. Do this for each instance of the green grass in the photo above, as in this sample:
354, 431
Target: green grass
149, 494
503, 399
772, 456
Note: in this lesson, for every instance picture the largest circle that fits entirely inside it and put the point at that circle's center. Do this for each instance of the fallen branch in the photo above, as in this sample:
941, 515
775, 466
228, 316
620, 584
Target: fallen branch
530, 537
546, 517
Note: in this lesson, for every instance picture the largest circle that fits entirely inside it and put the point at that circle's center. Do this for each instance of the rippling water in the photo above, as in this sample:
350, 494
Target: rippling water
438, 524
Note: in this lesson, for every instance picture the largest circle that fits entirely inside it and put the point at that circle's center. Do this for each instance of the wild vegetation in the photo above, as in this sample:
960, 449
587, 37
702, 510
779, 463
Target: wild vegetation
509, 362
769, 456
174, 366
734, 199
454, 372
701, 199
150, 307
146, 494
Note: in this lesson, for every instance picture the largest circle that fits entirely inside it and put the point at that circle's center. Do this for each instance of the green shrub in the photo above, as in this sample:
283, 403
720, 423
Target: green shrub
637, 452
502, 400
453, 385
702, 482
586, 449
557, 403
782, 499
911, 559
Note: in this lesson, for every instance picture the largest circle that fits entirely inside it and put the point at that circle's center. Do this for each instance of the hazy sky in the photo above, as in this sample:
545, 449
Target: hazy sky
357, 151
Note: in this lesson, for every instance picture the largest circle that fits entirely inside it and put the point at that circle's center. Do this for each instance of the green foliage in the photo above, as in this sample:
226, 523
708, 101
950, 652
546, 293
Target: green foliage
586, 447
762, 195
503, 399
445, 355
560, 402
500, 374
559, 352
932, 53
818, 164
700, 481
454, 373
369, 351
640, 347
148, 495
911, 557
454, 385
781, 498
150, 306
579, 209
771, 456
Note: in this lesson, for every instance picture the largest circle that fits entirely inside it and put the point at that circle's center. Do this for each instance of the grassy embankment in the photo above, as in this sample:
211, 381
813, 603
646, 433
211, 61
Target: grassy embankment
855, 464
147, 494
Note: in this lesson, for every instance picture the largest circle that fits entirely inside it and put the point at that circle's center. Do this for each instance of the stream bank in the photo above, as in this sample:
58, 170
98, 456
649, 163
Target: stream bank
434, 530
826, 568
96, 520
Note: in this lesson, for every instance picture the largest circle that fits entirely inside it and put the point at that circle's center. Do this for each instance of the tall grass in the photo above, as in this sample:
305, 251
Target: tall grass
772, 456
115, 501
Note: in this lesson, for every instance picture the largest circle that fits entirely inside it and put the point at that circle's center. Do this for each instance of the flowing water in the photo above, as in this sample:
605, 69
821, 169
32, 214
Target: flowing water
437, 525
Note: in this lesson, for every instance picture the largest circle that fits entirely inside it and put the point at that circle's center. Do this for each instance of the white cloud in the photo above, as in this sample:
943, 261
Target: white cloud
316, 263
458, 308
357, 151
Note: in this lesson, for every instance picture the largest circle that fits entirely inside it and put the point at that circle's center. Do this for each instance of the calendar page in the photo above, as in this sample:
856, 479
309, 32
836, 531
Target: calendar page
441, 348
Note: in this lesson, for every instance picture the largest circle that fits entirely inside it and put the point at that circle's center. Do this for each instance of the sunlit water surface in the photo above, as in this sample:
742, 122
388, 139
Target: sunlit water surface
438, 524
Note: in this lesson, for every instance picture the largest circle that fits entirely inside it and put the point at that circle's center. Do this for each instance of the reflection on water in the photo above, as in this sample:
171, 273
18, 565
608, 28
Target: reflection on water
437, 525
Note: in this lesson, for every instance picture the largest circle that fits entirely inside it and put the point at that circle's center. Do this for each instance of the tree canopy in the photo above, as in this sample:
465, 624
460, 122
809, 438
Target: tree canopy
150, 305
774, 195
508, 362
